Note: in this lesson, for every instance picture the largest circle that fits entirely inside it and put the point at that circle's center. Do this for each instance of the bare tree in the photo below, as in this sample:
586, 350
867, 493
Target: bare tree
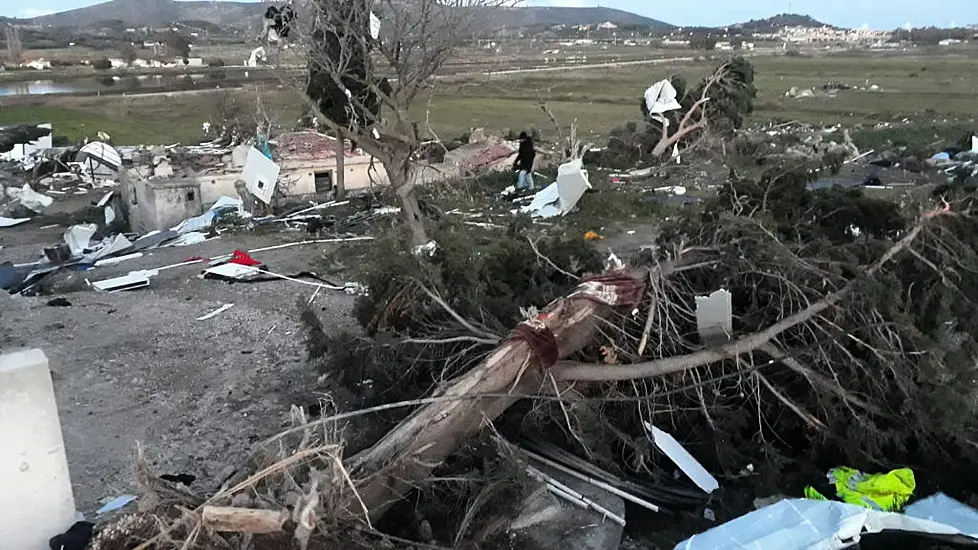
129, 54
15, 50
368, 62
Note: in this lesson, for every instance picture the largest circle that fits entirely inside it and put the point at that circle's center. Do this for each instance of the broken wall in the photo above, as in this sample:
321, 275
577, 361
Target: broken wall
298, 177
162, 204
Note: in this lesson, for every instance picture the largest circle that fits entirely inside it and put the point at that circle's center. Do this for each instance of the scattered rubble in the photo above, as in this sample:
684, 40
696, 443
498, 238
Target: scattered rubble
830, 89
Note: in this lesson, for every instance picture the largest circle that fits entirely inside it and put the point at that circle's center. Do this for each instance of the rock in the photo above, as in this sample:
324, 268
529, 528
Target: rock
548, 522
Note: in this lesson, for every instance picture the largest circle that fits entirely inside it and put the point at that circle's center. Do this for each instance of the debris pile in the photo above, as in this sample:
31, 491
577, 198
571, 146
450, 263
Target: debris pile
829, 89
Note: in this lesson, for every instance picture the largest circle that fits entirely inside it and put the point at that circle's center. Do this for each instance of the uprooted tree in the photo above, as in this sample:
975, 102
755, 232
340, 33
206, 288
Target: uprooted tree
368, 62
715, 107
851, 333
851, 337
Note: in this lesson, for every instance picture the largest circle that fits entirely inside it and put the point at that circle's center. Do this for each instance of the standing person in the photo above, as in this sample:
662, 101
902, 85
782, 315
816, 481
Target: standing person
524, 162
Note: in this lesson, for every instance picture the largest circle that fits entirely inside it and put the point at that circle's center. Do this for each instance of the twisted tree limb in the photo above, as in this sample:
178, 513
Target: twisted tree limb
745, 344
408, 454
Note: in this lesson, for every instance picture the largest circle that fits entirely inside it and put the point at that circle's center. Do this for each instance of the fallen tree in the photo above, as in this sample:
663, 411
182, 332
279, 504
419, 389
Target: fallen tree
408, 453
847, 335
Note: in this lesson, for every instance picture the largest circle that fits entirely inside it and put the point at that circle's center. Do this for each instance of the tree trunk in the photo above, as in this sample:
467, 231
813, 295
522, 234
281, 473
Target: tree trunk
408, 454
243, 520
340, 167
399, 173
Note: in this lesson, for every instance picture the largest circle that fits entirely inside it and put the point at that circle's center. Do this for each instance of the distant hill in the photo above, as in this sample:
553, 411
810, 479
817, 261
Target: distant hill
780, 21
535, 16
158, 13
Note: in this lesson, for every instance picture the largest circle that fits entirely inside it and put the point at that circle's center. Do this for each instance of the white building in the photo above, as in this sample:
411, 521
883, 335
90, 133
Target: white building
37, 64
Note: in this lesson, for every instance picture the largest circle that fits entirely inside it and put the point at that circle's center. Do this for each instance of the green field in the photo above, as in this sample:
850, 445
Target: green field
926, 89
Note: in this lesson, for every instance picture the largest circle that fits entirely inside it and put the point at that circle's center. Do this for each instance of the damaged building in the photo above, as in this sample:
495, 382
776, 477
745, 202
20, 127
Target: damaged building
181, 184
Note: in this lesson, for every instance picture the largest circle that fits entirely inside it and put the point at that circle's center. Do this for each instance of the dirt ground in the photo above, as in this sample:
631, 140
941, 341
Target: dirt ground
138, 368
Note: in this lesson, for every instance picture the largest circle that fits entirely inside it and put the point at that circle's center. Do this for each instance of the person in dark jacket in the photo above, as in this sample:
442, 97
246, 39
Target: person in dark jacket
524, 162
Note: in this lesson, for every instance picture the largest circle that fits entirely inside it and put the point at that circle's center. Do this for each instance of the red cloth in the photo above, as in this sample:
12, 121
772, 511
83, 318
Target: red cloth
242, 258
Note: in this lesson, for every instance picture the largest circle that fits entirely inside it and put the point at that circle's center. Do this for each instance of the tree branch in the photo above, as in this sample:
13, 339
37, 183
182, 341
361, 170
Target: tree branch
746, 344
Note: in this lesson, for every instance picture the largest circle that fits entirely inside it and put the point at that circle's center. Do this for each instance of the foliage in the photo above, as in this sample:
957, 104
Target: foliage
101, 64
129, 54
703, 42
484, 276
177, 45
731, 102
896, 348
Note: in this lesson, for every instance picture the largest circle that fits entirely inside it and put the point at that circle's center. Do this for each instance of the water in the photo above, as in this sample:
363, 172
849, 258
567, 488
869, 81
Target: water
116, 84
38, 87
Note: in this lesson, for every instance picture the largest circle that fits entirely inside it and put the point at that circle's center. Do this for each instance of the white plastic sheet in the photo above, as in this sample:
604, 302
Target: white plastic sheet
10, 222
374, 26
260, 175
100, 158
132, 281
78, 237
560, 197
661, 98
679, 455
205, 220
941, 508
32, 200
827, 525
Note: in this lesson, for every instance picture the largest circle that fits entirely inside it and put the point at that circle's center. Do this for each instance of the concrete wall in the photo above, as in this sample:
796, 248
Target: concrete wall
36, 502
163, 204
213, 187
299, 176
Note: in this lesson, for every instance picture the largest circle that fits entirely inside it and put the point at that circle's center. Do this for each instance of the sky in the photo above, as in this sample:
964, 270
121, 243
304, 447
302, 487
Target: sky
876, 14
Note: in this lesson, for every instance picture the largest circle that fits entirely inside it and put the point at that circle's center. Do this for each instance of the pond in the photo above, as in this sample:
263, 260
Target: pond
114, 84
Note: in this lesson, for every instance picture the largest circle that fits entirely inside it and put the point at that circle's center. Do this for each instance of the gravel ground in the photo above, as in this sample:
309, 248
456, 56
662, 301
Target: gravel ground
138, 368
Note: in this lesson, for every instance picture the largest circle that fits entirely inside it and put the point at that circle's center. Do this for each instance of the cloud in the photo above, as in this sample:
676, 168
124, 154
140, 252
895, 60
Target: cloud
29, 13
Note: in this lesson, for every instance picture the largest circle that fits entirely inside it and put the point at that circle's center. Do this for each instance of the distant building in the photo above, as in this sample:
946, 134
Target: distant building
607, 26
37, 64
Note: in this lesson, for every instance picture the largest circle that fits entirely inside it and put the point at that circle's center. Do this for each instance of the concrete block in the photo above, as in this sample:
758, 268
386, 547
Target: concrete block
163, 204
714, 317
36, 502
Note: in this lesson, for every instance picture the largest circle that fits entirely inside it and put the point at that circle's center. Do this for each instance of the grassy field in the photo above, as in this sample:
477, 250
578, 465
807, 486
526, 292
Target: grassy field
930, 90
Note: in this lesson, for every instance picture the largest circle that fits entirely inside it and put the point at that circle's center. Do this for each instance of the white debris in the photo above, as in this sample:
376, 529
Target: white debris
78, 237
134, 280
216, 312
30, 199
427, 249
714, 317
671, 189
260, 175
831, 525
560, 197
661, 98
374, 26
10, 222
689, 465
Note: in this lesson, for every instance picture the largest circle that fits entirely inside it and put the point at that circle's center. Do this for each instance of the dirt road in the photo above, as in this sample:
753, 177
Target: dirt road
137, 367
